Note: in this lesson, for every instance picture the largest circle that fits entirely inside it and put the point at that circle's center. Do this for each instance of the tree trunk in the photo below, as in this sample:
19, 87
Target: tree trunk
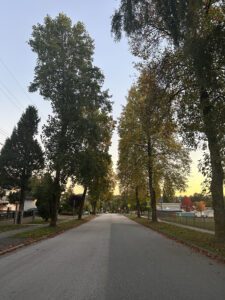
216, 166
53, 212
150, 181
55, 200
94, 208
138, 203
57, 188
82, 204
21, 205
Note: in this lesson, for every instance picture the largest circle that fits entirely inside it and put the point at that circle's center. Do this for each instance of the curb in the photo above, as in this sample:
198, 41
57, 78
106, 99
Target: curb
52, 235
198, 249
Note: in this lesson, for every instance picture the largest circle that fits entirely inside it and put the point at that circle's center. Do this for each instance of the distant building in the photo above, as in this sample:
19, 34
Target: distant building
28, 203
168, 207
209, 213
3, 203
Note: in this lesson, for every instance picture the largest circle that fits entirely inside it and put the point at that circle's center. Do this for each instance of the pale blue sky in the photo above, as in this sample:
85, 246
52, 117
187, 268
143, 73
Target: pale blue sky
17, 60
16, 20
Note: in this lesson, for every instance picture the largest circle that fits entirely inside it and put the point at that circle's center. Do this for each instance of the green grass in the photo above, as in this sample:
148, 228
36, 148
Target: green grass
200, 239
4, 228
204, 223
40, 232
38, 221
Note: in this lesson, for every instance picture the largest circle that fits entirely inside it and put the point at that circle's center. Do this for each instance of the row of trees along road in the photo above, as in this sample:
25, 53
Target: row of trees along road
149, 146
77, 135
187, 39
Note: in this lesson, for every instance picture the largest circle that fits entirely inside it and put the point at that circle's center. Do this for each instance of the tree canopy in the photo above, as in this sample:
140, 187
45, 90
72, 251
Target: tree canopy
148, 140
65, 75
191, 35
21, 155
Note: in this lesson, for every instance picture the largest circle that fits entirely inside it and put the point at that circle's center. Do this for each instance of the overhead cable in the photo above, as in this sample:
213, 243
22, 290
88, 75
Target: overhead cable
11, 94
18, 83
11, 100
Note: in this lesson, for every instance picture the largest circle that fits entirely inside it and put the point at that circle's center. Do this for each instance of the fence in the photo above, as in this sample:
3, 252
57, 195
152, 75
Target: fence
8, 217
200, 222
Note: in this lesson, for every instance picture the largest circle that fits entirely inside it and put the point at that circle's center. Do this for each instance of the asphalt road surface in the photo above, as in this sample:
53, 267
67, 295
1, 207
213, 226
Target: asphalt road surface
109, 258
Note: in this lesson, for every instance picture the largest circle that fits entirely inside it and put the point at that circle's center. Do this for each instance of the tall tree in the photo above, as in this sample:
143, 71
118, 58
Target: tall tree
21, 156
94, 161
102, 186
41, 190
132, 159
195, 30
65, 75
147, 121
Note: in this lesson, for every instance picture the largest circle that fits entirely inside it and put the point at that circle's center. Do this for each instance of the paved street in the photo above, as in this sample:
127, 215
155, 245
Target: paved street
110, 258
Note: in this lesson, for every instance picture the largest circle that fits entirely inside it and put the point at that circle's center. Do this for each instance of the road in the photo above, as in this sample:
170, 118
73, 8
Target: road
110, 258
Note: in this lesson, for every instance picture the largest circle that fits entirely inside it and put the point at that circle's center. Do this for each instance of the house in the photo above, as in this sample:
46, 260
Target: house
4, 203
28, 204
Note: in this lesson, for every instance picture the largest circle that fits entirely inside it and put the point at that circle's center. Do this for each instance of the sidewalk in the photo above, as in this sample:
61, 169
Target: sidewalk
188, 227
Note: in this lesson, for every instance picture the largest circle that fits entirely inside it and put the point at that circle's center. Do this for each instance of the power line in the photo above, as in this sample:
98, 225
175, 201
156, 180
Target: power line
4, 131
19, 84
11, 94
3, 134
11, 100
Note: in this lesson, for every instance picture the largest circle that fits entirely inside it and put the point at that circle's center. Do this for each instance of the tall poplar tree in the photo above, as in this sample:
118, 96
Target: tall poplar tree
65, 75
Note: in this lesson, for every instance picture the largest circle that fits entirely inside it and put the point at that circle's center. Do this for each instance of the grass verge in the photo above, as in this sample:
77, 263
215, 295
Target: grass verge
4, 228
204, 223
46, 231
199, 239
38, 221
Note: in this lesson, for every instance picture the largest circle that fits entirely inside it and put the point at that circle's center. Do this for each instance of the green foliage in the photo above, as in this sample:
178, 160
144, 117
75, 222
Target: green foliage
195, 28
66, 76
2, 192
64, 201
194, 34
196, 197
14, 197
147, 119
168, 190
21, 155
42, 189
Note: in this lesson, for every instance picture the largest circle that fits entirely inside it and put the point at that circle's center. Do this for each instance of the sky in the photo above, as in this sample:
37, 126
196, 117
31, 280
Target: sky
17, 61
